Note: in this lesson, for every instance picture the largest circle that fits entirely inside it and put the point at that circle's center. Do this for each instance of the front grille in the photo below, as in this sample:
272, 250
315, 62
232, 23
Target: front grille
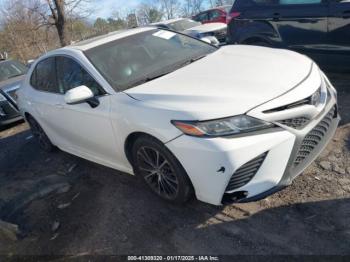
297, 123
314, 137
245, 173
306, 101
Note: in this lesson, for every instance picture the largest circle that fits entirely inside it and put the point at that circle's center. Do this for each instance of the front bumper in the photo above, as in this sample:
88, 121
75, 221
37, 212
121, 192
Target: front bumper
211, 163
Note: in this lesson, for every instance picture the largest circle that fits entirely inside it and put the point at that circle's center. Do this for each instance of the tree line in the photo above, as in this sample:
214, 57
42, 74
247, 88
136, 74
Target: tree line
29, 28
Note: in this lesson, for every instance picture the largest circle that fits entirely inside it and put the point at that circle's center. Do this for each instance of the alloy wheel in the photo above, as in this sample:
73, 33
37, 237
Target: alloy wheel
158, 172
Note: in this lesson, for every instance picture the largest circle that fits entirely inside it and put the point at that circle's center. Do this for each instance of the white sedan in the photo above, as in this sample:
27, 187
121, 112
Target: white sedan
233, 124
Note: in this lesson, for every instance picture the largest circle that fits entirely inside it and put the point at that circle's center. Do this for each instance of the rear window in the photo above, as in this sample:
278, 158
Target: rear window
44, 76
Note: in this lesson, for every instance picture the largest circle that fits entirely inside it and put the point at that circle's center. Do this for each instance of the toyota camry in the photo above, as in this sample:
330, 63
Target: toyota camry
226, 125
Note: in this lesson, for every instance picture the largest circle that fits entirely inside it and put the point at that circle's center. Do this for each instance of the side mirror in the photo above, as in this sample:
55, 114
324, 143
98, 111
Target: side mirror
211, 40
78, 95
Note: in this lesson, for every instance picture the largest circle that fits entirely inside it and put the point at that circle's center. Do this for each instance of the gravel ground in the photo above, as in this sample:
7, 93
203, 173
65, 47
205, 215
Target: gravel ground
82, 208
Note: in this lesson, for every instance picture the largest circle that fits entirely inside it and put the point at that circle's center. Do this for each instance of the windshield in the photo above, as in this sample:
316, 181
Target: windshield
183, 25
10, 69
139, 58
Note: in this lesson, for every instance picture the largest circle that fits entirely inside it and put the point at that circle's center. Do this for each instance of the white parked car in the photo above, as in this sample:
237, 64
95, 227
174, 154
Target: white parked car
181, 115
213, 33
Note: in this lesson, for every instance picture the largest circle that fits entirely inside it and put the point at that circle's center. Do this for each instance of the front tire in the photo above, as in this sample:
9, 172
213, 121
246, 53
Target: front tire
160, 170
40, 135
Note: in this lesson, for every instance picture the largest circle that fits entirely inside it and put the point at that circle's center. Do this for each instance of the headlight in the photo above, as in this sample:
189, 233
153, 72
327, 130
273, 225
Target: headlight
2, 98
221, 127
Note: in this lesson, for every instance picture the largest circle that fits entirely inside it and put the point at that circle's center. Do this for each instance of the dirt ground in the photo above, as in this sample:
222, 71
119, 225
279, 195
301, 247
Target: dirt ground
68, 206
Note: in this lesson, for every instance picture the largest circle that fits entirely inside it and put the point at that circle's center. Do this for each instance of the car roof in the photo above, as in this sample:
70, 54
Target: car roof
103, 39
222, 7
166, 22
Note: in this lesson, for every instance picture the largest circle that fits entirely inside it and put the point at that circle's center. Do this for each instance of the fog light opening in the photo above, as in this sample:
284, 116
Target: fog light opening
234, 197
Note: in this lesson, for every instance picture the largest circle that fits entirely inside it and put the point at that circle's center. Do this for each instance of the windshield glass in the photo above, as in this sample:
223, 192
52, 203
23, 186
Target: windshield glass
139, 58
10, 69
183, 25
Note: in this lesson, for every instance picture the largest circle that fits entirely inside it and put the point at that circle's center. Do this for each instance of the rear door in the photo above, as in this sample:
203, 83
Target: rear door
302, 24
339, 26
47, 99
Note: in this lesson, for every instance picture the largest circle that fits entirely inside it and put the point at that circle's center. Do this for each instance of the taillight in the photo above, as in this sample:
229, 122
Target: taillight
231, 16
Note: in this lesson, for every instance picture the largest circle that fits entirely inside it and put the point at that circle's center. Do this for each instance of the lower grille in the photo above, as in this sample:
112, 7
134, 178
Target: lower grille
313, 138
245, 173
297, 123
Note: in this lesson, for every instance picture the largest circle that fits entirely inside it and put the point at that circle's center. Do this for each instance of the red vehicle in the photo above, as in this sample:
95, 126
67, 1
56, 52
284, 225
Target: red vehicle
214, 15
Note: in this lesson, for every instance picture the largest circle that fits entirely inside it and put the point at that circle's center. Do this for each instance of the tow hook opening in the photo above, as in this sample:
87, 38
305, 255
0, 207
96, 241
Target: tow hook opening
234, 197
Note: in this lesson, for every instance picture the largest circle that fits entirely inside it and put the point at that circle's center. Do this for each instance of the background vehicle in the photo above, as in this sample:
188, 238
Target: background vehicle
214, 15
11, 75
318, 28
215, 31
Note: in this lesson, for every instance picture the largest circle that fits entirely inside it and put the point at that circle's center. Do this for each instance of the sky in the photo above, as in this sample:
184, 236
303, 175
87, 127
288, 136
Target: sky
105, 8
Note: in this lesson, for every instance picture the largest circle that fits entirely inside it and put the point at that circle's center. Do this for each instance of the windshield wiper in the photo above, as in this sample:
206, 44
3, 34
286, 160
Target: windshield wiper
192, 60
148, 79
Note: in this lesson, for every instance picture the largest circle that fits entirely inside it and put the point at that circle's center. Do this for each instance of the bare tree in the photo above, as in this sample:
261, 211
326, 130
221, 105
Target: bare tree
58, 12
149, 13
191, 7
170, 8
22, 33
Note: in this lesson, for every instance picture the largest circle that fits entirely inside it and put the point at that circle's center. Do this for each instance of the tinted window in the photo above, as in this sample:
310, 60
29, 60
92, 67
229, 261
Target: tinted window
215, 14
299, 2
44, 76
202, 17
70, 75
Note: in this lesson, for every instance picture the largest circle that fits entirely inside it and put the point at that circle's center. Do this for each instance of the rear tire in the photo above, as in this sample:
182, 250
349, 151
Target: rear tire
160, 170
40, 135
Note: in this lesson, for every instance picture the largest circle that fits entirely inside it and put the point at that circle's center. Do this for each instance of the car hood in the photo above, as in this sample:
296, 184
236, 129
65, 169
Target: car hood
230, 81
207, 27
9, 83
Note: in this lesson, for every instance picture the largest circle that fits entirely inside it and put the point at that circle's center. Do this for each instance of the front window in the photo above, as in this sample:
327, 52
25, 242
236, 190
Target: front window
10, 69
139, 58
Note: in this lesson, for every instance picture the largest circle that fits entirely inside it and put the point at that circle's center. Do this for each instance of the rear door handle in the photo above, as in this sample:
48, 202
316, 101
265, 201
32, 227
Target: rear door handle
276, 16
